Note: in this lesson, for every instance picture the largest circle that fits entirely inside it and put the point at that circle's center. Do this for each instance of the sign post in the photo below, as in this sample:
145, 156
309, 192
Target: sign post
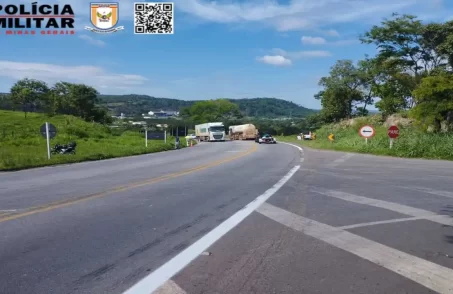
393, 132
48, 131
165, 133
367, 132
146, 137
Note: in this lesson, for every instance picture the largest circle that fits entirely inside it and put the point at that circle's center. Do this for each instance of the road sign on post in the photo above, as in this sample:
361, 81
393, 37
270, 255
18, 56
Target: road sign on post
393, 132
48, 131
331, 137
367, 132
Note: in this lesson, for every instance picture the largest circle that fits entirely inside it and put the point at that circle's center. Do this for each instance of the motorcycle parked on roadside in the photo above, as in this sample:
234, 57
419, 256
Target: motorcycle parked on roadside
64, 149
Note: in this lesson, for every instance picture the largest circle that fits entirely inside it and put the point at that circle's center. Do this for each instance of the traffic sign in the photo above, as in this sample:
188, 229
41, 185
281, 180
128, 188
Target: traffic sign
52, 131
331, 137
393, 132
367, 132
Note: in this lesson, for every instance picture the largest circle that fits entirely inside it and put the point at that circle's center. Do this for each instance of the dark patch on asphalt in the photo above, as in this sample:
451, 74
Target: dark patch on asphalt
96, 274
171, 233
221, 206
145, 247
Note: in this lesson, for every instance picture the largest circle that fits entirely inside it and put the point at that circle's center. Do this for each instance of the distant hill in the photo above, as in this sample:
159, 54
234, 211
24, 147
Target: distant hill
262, 107
132, 105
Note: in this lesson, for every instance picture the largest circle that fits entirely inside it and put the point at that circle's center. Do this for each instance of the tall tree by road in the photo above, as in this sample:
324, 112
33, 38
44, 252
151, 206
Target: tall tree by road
28, 94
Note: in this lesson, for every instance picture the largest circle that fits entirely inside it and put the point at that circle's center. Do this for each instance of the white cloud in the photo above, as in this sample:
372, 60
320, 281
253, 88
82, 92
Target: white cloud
294, 55
332, 33
277, 60
93, 41
51, 73
321, 41
298, 14
313, 40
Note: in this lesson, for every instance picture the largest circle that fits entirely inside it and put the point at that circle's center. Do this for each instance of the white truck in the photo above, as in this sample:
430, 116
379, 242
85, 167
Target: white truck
214, 131
243, 132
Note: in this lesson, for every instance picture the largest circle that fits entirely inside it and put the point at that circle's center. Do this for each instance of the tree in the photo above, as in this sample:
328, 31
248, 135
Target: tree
401, 45
29, 94
343, 91
212, 110
434, 100
439, 38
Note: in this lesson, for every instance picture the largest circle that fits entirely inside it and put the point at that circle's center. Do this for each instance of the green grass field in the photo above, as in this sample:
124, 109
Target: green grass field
22, 146
411, 143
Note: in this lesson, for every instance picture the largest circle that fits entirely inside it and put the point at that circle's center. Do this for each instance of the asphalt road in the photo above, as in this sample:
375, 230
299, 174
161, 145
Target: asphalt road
233, 217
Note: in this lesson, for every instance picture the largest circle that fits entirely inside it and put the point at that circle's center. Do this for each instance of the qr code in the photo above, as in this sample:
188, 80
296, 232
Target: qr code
153, 18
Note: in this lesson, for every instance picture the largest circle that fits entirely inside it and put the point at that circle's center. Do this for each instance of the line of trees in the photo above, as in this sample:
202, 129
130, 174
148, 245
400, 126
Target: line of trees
412, 72
30, 95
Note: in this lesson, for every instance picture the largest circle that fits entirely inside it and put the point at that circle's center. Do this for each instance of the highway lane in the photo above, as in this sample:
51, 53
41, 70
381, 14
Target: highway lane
343, 223
74, 231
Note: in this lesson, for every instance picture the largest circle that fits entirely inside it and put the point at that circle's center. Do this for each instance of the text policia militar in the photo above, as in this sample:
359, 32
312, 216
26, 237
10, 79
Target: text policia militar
49, 19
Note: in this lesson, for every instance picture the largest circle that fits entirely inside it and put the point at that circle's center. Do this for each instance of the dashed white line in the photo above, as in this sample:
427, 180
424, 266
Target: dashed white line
426, 273
403, 209
390, 221
340, 160
430, 191
157, 278
400, 208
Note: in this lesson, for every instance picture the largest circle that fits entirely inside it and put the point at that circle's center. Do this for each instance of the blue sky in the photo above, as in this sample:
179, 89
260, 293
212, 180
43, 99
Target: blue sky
223, 48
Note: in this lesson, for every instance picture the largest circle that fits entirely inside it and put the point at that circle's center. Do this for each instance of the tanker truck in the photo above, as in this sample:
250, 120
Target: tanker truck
214, 131
243, 132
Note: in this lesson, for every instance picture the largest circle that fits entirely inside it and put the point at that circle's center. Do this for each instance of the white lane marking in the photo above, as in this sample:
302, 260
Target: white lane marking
403, 209
400, 208
169, 287
430, 191
177, 263
333, 174
426, 273
390, 221
302, 155
8, 210
236, 151
340, 160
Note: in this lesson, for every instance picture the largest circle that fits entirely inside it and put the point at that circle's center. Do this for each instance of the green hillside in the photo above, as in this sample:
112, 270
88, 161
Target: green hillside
412, 142
22, 146
262, 107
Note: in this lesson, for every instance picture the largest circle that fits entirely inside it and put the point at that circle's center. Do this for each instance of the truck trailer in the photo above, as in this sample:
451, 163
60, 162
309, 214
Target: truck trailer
243, 132
214, 131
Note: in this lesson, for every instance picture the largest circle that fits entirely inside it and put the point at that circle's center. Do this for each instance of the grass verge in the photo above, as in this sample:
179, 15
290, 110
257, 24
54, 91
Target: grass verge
411, 143
22, 146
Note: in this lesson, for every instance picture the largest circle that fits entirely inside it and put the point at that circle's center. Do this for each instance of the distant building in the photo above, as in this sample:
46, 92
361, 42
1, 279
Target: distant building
162, 113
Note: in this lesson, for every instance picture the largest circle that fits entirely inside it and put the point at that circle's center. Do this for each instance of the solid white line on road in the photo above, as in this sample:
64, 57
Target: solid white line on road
302, 155
340, 160
8, 210
426, 273
157, 278
400, 208
430, 191
169, 287
403, 209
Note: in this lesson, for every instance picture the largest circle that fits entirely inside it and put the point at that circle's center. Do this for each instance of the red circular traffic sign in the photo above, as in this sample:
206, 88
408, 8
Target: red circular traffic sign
393, 132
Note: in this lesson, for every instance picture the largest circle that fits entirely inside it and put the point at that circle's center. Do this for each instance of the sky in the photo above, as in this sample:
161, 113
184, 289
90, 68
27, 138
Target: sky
219, 49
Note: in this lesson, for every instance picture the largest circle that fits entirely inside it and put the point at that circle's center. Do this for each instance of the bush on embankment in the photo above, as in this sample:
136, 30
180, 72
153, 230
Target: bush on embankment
22, 146
412, 142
